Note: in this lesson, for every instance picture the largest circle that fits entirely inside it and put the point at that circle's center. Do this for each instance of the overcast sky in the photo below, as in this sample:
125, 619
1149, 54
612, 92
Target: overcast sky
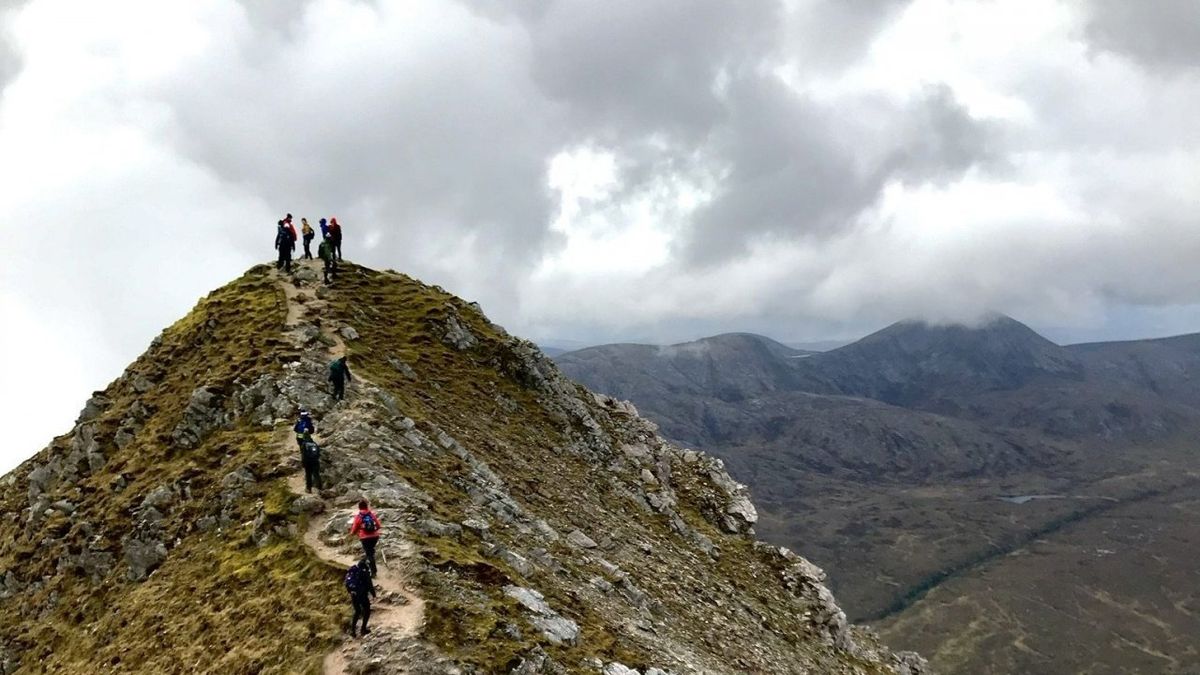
597, 171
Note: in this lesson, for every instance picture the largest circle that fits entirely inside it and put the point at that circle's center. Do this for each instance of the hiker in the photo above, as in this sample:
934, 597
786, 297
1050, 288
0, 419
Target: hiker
304, 428
366, 525
335, 231
291, 228
285, 243
339, 375
362, 589
324, 228
308, 233
325, 253
310, 459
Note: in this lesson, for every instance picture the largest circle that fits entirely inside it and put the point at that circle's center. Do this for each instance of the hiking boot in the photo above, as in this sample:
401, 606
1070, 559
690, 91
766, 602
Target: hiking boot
366, 632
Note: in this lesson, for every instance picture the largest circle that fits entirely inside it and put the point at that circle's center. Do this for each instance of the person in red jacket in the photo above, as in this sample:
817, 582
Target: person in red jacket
335, 233
366, 525
292, 229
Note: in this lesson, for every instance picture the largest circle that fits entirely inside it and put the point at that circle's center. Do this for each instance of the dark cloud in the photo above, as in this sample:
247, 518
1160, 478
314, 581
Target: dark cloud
1158, 33
796, 167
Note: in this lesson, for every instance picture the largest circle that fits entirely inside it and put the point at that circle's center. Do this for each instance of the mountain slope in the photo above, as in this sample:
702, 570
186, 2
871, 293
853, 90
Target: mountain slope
534, 526
928, 466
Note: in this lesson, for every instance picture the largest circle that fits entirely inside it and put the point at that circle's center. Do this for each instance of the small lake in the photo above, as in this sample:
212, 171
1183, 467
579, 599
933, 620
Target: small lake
1021, 499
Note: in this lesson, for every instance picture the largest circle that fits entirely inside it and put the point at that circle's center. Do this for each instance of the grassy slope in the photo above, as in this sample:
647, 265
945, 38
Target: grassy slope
459, 391
215, 603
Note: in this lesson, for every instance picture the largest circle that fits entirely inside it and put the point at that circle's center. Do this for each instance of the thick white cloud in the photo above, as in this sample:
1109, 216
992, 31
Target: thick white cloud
805, 168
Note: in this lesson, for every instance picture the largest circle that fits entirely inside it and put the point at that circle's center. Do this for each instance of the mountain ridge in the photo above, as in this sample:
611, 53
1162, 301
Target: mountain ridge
543, 528
890, 459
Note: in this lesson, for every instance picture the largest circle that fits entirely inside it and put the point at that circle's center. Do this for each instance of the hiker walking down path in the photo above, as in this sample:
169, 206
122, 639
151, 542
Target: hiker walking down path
339, 375
307, 231
285, 243
361, 587
325, 253
366, 525
335, 232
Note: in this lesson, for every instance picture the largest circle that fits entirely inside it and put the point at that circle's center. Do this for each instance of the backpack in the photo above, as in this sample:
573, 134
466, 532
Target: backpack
310, 452
354, 580
368, 523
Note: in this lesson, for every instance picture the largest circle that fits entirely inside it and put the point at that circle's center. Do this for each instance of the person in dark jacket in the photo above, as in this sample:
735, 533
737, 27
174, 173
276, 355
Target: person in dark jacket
339, 375
367, 526
307, 232
324, 228
361, 587
325, 253
285, 243
335, 231
304, 428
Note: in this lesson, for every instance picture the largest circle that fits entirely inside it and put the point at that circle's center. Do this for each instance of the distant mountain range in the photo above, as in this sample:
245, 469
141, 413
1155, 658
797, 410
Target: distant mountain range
903, 440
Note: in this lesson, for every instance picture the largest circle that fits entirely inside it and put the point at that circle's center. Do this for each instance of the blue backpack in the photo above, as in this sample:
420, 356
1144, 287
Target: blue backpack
368, 523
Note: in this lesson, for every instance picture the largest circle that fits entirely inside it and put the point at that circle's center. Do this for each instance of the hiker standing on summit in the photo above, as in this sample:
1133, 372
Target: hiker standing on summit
335, 232
325, 253
307, 231
339, 375
285, 243
366, 525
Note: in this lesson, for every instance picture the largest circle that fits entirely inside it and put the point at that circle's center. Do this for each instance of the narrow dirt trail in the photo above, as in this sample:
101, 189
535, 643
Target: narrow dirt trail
398, 611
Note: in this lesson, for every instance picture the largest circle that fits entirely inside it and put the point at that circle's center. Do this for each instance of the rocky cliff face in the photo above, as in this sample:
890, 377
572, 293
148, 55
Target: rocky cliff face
530, 525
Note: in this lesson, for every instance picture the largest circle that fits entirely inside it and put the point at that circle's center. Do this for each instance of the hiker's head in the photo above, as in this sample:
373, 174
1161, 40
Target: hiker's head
363, 505
304, 413
322, 221
288, 217
304, 220
333, 221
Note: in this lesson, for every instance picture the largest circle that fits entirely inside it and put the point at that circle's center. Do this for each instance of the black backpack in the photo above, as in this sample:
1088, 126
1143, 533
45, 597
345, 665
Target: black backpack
310, 452
354, 579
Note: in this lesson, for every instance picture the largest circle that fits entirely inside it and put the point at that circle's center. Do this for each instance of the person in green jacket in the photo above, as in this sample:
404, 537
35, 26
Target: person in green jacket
339, 374
326, 254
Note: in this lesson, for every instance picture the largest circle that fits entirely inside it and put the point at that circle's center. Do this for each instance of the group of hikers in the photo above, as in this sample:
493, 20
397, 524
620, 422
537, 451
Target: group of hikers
366, 525
329, 251
359, 579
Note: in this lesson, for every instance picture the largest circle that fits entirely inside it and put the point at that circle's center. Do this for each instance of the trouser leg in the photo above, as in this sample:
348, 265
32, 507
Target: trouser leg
339, 389
369, 549
311, 477
362, 609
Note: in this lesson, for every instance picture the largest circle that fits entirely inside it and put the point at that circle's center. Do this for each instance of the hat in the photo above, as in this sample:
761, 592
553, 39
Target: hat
304, 413
333, 221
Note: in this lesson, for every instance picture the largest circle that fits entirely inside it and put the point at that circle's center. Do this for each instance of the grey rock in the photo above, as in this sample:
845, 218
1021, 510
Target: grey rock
239, 478
95, 406
517, 562
436, 528
201, 416
577, 538
159, 498
309, 504
349, 333
476, 526
143, 557
456, 335
615, 668
142, 384
402, 368
555, 628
